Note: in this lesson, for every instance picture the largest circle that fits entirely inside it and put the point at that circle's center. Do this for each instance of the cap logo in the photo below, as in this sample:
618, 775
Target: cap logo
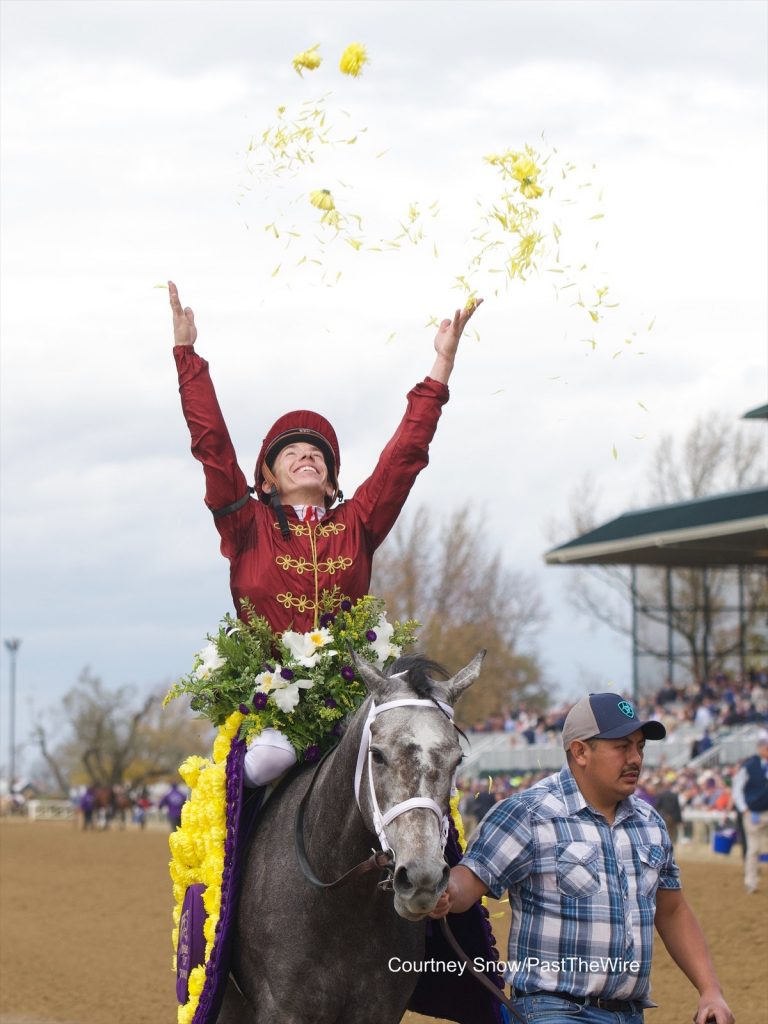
626, 708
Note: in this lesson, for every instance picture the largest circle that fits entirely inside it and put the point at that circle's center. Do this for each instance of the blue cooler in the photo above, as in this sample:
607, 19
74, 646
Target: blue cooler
722, 842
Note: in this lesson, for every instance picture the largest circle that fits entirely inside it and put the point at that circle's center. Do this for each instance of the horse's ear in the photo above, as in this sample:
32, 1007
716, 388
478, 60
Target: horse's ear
456, 685
377, 684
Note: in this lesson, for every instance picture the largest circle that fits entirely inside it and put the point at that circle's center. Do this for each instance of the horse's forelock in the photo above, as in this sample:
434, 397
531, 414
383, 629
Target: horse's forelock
419, 671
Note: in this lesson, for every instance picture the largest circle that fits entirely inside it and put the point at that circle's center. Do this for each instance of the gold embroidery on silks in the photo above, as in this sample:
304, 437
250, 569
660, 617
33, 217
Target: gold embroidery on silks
299, 529
323, 529
302, 565
334, 564
330, 529
303, 602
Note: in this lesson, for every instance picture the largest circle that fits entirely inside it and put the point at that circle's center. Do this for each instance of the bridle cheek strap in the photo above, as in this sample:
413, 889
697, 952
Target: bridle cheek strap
380, 821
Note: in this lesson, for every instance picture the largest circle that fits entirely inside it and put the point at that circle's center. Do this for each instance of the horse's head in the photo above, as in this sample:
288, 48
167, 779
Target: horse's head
406, 772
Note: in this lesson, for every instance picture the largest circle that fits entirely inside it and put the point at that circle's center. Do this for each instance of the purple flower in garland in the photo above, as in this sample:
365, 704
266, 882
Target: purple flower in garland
348, 673
370, 635
330, 702
312, 753
260, 700
268, 668
244, 709
286, 673
337, 730
327, 620
346, 606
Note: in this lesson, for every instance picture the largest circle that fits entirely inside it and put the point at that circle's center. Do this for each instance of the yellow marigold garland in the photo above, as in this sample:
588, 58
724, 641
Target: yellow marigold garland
197, 848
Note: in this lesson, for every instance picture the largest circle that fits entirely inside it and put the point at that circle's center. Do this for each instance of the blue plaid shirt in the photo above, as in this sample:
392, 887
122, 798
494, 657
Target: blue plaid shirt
582, 892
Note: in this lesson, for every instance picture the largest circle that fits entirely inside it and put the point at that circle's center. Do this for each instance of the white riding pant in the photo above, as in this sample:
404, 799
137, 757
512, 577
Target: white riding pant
267, 757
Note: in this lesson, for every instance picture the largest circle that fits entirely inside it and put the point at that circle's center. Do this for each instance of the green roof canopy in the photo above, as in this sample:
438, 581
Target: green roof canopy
728, 529
760, 413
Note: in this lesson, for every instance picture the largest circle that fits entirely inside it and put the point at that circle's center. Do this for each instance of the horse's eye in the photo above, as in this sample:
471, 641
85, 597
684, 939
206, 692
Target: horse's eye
378, 757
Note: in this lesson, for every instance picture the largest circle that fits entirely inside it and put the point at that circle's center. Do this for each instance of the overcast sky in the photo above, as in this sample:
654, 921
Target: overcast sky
126, 129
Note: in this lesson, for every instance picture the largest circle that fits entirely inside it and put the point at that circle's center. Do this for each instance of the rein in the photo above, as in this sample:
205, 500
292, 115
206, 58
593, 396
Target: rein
381, 860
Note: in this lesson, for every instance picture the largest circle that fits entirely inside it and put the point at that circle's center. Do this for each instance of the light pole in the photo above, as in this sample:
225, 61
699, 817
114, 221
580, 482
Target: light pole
13, 645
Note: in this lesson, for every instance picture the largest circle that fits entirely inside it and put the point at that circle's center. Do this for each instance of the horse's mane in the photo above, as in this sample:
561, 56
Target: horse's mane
419, 670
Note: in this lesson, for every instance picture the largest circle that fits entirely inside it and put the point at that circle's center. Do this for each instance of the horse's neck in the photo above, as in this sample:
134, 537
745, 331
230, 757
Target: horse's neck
333, 810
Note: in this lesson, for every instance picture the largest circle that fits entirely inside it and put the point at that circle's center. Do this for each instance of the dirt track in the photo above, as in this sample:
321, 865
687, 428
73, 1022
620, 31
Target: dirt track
85, 932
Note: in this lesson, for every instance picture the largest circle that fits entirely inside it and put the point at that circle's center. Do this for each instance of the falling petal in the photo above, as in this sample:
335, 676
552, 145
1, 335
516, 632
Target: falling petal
353, 59
642, 407
307, 60
614, 452
160, 286
650, 325
276, 271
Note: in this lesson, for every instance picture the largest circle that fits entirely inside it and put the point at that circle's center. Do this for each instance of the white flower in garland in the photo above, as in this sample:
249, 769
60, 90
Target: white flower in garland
210, 660
382, 641
305, 647
268, 680
287, 696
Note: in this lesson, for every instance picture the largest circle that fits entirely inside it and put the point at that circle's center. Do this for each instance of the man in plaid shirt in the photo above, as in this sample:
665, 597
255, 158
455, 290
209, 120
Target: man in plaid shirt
589, 871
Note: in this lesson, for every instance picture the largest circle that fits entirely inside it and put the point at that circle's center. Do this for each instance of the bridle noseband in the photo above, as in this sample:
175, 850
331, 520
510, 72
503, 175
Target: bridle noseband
383, 859
365, 753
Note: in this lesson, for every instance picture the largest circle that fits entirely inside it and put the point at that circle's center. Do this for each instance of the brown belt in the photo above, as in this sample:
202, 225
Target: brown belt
615, 1005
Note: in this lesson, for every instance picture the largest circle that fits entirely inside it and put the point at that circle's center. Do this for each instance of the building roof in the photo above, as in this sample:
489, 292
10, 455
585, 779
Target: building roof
727, 529
760, 413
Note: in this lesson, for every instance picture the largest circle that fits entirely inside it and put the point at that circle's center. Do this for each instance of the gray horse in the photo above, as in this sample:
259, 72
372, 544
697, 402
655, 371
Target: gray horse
306, 954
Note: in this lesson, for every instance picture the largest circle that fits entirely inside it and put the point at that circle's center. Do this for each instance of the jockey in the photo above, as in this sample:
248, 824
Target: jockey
300, 537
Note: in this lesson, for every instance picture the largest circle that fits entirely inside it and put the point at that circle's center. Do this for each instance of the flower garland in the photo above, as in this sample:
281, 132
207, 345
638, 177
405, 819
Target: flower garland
303, 684
197, 849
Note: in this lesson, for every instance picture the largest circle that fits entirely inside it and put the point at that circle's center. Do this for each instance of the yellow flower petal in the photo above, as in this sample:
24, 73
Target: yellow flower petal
322, 199
353, 59
308, 60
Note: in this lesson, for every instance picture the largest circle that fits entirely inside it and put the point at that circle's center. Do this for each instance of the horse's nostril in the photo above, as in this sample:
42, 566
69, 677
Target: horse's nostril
402, 881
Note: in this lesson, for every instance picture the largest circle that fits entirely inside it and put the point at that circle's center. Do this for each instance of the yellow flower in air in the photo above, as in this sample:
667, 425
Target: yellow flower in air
353, 58
309, 59
322, 199
526, 172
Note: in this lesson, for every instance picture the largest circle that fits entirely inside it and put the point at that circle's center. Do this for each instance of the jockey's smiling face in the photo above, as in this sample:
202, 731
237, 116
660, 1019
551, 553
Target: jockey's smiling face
301, 474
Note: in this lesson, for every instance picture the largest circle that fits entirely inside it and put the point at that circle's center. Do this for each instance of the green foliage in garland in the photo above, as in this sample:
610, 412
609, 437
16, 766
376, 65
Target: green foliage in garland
303, 684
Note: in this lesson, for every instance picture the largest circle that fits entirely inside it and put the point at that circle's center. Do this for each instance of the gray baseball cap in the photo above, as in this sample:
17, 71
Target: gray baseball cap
607, 716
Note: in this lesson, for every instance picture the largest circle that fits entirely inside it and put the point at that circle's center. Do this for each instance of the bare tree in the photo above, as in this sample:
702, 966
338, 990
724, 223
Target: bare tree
115, 737
715, 456
466, 598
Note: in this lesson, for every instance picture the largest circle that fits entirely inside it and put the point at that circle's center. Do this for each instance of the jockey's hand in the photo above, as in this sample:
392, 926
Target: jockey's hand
447, 341
184, 330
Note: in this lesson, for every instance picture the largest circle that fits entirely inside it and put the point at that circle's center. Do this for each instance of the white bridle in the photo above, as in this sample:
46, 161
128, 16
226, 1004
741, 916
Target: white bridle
380, 821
